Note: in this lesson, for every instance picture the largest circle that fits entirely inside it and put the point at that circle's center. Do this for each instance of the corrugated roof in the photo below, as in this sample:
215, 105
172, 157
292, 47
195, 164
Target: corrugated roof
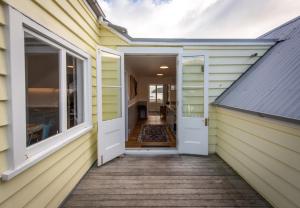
271, 87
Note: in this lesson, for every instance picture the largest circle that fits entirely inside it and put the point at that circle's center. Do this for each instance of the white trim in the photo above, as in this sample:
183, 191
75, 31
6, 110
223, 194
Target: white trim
100, 148
151, 151
178, 100
17, 97
177, 51
63, 91
9, 174
20, 156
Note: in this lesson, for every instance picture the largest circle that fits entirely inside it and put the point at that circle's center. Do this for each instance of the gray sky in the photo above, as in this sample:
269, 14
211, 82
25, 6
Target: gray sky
199, 18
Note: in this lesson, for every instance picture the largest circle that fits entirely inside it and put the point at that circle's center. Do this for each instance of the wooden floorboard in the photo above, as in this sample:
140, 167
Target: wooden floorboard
164, 181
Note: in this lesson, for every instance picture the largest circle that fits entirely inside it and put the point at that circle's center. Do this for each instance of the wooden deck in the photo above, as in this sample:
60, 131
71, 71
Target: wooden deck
164, 181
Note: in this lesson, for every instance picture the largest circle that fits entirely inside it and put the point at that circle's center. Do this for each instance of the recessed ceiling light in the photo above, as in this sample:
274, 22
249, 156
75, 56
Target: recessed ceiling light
163, 67
159, 74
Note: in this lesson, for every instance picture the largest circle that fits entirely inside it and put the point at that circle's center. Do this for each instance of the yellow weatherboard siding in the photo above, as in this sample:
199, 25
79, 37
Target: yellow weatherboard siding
264, 151
3, 93
47, 183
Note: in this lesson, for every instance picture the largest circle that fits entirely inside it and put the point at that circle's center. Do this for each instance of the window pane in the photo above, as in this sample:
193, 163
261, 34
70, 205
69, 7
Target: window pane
74, 91
193, 86
111, 86
152, 93
160, 93
42, 89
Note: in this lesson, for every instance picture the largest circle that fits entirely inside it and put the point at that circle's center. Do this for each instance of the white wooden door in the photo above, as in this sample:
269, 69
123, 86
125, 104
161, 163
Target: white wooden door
192, 98
111, 104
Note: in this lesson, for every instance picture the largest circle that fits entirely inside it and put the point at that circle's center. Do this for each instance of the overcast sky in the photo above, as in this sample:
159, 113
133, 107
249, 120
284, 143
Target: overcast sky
199, 18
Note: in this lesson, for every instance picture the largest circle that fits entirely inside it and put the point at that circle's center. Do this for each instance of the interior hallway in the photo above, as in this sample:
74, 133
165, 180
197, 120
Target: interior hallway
133, 141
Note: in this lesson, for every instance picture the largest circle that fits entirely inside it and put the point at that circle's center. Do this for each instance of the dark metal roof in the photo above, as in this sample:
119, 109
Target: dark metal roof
271, 87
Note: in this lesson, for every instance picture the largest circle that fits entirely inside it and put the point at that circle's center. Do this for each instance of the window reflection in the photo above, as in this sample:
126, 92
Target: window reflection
74, 91
42, 89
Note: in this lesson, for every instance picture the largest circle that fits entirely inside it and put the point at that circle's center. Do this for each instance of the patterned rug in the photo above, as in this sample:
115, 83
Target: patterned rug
153, 133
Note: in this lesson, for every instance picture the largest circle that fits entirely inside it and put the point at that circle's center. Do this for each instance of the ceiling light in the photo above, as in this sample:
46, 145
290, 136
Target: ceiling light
70, 66
163, 67
159, 74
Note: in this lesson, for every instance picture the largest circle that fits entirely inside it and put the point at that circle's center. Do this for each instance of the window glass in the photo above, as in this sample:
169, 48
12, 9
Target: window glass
156, 93
74, 91
42, 90
152, 93
193, 86
159, 93
111, 86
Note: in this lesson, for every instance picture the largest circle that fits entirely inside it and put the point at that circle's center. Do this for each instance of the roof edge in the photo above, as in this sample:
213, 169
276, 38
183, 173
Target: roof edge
94, 5
278, 27
242, 76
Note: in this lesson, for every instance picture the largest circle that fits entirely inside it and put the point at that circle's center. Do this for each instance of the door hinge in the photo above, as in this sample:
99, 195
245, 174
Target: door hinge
206, 121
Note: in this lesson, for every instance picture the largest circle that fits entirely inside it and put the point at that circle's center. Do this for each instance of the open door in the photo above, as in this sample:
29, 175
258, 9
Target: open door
110, 104
192, 79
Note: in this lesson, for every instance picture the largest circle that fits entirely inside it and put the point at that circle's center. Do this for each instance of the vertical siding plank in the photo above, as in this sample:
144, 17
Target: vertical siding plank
3, 138
2, 38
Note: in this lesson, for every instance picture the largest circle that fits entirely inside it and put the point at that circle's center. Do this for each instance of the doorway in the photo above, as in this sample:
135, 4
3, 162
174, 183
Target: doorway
151, 98
190, 105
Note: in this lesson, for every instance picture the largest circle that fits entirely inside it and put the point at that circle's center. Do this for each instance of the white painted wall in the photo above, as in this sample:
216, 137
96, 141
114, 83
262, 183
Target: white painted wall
143, 89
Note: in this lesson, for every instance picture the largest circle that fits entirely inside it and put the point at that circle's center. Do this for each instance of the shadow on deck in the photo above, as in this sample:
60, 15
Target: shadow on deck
164, 181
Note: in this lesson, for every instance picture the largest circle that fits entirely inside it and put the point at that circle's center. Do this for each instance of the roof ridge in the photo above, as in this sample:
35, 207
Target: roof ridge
280, 26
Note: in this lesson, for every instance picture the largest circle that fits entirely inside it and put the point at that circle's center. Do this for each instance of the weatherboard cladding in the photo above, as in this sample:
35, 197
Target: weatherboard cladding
272, 85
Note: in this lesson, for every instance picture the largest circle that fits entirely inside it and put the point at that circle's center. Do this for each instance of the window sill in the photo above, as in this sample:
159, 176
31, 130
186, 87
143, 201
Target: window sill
9, 174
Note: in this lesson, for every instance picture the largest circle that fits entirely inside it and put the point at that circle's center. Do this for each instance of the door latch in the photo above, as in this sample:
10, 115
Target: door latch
206, 121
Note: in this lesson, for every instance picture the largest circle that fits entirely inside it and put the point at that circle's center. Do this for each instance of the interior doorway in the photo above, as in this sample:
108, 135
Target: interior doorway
151, 101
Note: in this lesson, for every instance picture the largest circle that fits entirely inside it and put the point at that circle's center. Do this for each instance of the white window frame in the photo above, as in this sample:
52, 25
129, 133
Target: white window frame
22, 157
155, 93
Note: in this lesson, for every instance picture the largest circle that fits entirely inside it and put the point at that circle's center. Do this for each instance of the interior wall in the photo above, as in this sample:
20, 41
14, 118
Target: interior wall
144, 82
132, 113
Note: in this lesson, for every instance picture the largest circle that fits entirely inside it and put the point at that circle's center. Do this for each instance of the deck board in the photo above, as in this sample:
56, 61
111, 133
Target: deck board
164, 181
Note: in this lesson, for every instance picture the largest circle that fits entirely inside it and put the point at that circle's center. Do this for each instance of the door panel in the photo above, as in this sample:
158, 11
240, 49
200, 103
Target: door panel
110, 92
193, 95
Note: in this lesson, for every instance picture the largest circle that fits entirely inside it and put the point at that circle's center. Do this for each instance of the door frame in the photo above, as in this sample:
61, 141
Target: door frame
177, 51
100, 147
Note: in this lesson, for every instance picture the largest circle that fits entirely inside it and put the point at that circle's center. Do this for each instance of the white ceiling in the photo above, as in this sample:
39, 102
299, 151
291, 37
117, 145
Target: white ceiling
148, 65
